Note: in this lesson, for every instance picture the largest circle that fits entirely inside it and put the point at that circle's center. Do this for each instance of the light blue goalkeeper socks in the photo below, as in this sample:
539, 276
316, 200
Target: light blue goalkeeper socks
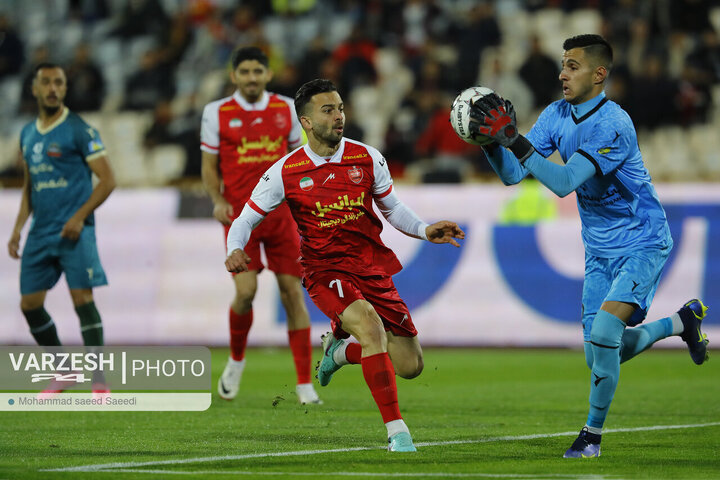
605, 339
638, 339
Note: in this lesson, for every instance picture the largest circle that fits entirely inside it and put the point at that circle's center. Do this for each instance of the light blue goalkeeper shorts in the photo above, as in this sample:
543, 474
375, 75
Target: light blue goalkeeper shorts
630, 279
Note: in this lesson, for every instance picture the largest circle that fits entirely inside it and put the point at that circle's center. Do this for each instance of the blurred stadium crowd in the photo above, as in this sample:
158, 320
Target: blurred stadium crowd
141, 71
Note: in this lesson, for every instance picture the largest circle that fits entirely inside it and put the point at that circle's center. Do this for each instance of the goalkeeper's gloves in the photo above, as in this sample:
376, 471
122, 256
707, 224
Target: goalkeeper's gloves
495, 118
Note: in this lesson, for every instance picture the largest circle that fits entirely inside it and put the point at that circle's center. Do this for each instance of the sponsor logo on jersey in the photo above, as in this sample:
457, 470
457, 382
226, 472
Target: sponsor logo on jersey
604, 150
264, 143
334, 222
42, 168
354, 157
235, 123
343, 203
296, 164
54, 150
355, 174
277, 105
229, 107
256, 121
306, 183
37, 150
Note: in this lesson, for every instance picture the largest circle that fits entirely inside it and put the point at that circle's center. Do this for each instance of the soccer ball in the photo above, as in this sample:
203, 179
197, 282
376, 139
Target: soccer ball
460, 115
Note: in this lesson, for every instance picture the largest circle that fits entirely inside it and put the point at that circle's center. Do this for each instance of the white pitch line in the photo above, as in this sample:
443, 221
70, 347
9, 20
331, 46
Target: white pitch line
125, 465
528, 476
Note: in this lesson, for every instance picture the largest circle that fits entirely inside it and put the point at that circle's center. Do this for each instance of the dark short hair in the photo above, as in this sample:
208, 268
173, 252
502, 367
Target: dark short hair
309, 90
241, 54
42, 65
594, 45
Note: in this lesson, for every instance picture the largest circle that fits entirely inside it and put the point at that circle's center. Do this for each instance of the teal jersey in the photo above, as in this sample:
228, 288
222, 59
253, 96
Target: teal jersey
60, 179
619, 208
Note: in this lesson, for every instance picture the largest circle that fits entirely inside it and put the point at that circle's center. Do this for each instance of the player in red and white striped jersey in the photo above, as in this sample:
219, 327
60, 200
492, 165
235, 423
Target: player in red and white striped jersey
330, 185
242, 135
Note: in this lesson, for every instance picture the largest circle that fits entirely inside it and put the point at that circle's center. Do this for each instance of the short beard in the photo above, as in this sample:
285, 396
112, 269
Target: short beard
50, 111
330, 139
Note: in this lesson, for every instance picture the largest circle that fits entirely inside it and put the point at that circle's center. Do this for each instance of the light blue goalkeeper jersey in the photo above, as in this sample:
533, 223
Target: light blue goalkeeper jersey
60, 178
619, 208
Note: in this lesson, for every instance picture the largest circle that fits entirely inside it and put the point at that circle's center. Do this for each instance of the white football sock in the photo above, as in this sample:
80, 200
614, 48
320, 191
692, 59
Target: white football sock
395, 427
339, 353
677, 324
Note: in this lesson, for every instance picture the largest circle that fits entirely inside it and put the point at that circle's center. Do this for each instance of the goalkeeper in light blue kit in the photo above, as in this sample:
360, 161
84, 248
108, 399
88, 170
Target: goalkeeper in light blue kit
624, 229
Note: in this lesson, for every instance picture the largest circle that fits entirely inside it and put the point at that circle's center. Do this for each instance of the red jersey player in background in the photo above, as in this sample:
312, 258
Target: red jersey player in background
330, 185
242, 136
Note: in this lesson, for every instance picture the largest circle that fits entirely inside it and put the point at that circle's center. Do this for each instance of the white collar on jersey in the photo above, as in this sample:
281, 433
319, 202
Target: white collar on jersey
259, 105
60, 119
318, 160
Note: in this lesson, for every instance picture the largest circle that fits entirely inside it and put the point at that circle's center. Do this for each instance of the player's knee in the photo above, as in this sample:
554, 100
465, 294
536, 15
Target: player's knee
606, 330
30, 303
244, 296
412, 368
81, 296
292, 297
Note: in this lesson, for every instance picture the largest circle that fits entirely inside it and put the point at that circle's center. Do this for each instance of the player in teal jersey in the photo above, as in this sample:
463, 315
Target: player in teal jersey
60, 152
624, 229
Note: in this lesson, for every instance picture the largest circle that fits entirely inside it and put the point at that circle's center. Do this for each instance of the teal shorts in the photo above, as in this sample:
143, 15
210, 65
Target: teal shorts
45, 258
632, 279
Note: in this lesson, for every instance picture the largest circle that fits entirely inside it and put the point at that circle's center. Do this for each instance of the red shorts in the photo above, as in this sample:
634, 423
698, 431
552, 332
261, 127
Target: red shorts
334, 291
279, 236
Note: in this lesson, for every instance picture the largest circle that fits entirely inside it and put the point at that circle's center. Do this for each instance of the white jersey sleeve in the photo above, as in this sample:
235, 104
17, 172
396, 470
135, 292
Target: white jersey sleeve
382, 185
395, 212
210, 128
295, 138
268, 194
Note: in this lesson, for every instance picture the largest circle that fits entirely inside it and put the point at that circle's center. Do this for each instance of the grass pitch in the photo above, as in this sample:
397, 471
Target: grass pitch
473, 414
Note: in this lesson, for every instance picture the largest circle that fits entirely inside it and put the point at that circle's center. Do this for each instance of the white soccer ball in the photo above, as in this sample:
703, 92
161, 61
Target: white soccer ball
460, 114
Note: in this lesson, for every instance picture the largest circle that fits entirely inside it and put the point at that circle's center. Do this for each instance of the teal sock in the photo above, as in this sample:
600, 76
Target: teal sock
636, 340
605, 338
42, 327
90, 324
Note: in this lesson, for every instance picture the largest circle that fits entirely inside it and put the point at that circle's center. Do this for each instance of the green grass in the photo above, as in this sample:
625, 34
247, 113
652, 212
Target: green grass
463, 394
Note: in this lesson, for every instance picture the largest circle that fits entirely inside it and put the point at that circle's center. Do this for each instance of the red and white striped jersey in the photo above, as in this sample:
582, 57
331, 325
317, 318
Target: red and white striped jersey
248, 138
331, 200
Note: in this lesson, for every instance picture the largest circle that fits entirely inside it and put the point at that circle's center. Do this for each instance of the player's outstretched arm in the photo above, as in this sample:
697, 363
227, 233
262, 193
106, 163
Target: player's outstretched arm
505, 165
444, 232
237, 261
561, 179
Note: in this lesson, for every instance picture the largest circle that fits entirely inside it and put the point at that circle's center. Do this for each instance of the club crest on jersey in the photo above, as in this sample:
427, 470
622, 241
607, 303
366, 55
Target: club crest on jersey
54, 150
306, 183
235, 123
280, 121
355, 174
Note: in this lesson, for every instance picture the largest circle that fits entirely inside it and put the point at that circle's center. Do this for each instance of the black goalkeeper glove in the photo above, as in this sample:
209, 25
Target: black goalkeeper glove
495, 118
